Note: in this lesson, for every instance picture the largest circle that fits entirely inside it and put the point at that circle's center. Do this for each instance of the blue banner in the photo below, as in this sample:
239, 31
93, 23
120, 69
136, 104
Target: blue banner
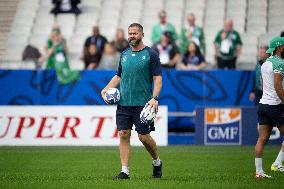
235, 125
182, 90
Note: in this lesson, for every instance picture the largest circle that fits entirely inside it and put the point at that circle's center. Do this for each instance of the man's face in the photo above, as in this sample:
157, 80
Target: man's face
228, 26
134, 36
262, 55
191, 20
96, 31
162, 19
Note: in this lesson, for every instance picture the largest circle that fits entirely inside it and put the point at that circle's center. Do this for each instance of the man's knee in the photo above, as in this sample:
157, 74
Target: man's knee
263, 139
124, 134
143, 138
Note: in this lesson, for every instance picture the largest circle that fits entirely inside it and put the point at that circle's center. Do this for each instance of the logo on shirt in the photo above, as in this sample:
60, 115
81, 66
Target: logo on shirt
123, 59
143, 57
133, 54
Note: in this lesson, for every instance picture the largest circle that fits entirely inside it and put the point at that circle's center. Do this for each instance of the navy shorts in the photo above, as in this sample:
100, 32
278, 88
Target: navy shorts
272, 115
127, 116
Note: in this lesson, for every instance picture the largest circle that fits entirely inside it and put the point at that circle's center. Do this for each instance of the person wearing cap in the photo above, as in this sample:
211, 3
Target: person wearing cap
279, 159
192, 33
162, 27
228, 45
271, 105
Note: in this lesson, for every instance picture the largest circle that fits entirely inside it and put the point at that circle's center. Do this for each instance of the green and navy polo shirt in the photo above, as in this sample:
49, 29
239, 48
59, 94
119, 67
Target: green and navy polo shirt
136, 70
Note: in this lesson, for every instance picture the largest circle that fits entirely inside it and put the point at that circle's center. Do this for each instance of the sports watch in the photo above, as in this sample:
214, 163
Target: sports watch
156, 98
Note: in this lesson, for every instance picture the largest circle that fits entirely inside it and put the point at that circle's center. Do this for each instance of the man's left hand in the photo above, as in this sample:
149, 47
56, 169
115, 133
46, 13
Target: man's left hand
154, 103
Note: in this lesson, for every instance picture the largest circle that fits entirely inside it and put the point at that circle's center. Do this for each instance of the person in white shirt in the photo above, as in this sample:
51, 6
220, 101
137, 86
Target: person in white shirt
271, 105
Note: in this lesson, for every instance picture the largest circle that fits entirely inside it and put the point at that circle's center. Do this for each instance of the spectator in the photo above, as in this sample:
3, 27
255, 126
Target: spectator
256, 92
92, 58
57, 58
227, 46
162, 27
110, 58
56, 47
32, 53
120, 42
192, 33
167, 50
66, 6
96, 39
193, 59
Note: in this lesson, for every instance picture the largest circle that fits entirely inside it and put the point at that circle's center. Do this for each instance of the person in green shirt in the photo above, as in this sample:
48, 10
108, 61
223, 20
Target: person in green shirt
138, 69
57, 58
162, 27
193, 33
228, 45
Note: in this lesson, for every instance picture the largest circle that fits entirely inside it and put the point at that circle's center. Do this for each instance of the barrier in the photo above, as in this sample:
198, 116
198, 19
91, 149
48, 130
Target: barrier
229, 126
182, 90
69, 125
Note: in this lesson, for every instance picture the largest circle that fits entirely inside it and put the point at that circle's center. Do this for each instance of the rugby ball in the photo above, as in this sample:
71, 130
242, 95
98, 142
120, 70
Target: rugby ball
112, 95
147, 115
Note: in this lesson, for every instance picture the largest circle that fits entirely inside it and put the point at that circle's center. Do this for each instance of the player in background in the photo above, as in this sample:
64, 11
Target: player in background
271, 105
139, 66
277, 165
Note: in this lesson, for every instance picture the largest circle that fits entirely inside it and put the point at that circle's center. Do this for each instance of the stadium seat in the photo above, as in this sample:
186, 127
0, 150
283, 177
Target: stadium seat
251, 18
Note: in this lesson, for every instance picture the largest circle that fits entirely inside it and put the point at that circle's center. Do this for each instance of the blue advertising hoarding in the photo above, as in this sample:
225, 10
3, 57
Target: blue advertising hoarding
229, 126
182, 90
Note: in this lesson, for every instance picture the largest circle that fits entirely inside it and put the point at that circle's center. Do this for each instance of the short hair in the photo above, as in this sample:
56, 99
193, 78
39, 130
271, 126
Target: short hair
191, 14
139, 26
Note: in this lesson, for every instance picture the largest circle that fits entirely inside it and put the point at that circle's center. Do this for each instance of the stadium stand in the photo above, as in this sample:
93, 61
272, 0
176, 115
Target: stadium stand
8, 9
255, 20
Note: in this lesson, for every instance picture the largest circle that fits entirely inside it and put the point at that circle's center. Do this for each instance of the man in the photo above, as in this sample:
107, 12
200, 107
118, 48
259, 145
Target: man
192, 33
256, 92
271, 105
139, 66
96, 39
162, 27
227, 46
277, 164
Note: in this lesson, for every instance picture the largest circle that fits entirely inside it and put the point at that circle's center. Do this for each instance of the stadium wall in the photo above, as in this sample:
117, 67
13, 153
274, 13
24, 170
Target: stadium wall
182, 91
69, 125
229, 126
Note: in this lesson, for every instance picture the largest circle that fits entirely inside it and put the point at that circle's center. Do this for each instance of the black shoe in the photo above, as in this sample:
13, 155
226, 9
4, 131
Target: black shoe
121, 176
157, 171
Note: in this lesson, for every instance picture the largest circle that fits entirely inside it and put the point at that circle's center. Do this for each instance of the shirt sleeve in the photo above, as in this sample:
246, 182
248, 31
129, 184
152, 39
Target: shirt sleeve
279, 68
155, 63
239, 40
119, 69
217, 40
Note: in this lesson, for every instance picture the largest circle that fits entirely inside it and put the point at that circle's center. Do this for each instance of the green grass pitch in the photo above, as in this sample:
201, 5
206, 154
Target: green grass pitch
94, 167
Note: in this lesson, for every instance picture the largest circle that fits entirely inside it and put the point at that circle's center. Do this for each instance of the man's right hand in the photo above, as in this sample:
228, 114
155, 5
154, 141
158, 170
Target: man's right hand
103, 92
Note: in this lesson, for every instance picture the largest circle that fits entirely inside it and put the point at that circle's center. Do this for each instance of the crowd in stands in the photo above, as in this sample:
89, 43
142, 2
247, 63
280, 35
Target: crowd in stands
184, 52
